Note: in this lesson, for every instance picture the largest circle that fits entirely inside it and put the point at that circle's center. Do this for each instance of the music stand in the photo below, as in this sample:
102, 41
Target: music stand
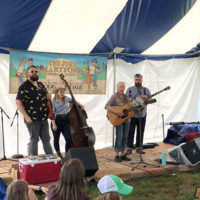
16, 156
141, 161
4, 156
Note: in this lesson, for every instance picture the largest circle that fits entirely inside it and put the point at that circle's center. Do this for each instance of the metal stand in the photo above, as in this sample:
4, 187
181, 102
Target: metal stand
3, 112
181, 123
141, 161
163, 123
17, 156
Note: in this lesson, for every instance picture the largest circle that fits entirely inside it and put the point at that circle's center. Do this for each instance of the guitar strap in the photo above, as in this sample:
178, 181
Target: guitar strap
140, 91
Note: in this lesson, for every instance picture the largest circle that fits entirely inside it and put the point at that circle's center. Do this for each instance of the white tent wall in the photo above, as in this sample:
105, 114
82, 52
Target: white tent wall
94, 105
180, 103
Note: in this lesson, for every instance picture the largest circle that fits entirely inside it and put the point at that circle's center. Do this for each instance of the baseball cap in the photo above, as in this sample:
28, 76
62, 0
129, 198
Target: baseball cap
112, 183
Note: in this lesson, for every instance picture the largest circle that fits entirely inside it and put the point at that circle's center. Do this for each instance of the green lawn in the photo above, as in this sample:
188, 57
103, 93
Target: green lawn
179, 186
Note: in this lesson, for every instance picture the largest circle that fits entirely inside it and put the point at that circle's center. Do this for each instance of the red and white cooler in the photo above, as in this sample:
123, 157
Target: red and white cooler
39, 170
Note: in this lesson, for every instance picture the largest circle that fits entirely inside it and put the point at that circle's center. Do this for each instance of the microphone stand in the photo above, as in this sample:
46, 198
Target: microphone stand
163, 126
16, 156
141, 161
4, 156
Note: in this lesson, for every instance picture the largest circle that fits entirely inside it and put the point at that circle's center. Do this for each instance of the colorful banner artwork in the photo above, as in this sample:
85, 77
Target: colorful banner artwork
85, 74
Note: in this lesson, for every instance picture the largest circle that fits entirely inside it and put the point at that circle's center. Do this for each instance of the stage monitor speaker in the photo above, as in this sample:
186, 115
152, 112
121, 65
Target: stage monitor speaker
87, 156
187, 153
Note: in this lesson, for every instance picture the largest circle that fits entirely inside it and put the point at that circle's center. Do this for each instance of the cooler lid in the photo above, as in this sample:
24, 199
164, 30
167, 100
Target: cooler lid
38, 159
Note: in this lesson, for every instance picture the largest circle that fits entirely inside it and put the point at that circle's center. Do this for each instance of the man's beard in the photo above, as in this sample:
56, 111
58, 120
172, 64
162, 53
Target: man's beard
138, 84
34, 78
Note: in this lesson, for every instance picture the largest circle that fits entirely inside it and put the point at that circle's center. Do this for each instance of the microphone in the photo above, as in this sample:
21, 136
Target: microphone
130, 95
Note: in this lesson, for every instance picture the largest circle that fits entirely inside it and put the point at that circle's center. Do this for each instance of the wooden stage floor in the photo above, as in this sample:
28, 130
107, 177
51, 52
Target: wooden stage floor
107, 165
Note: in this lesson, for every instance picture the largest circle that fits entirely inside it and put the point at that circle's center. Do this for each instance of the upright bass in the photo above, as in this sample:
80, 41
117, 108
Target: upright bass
82, 134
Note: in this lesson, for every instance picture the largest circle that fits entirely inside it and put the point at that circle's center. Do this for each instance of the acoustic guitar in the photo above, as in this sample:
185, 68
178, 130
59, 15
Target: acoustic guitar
128, 111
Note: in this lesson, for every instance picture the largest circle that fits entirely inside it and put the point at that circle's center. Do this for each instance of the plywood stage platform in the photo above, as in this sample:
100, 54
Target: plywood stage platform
107, 165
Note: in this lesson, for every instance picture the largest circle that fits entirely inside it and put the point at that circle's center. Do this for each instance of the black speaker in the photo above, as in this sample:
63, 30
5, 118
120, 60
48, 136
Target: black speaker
87, 156
187, 154
192, 152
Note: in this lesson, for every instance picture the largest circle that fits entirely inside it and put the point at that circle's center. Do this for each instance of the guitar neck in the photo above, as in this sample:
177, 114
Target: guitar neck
156, 93
77, 107
83, 120
167, 88
73, 99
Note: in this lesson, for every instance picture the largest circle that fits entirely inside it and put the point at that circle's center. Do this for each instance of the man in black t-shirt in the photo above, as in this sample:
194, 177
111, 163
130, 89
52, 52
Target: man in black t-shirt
31, 101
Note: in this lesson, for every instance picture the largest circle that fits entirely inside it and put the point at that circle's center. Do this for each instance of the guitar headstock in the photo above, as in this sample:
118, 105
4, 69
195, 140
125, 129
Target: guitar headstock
62, 78
167, 88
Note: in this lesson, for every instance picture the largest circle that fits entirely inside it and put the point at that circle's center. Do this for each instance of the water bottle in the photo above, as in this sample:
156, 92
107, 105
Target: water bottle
163, 158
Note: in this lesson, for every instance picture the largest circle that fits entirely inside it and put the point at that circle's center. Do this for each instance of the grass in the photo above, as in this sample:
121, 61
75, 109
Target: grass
179, 186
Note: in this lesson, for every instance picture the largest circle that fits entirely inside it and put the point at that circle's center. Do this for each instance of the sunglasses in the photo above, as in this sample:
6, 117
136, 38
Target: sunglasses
34, 72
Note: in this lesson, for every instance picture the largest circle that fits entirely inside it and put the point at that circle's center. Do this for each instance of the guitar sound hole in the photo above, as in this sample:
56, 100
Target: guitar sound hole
125, 111
124, 116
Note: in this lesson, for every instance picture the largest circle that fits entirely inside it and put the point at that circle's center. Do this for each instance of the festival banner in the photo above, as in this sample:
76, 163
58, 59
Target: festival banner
85, 74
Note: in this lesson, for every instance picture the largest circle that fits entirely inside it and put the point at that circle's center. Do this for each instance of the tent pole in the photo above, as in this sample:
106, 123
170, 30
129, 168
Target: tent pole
116, 51
114, 88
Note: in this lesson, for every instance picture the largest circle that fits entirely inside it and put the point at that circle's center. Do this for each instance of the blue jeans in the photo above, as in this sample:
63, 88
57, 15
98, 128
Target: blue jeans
121, 136
94, 78
21, 79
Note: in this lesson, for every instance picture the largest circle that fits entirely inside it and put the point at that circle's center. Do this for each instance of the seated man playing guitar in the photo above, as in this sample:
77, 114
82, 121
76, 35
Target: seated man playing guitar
119, 99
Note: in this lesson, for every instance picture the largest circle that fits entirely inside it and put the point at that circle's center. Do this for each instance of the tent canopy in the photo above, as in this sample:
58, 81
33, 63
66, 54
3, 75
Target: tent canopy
142, 27
138, 26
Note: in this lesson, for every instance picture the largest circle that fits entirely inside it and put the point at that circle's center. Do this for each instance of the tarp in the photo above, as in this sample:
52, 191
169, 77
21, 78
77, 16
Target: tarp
176, 134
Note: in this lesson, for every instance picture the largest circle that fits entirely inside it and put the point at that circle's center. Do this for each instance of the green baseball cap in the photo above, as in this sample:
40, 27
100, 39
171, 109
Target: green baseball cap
112, 183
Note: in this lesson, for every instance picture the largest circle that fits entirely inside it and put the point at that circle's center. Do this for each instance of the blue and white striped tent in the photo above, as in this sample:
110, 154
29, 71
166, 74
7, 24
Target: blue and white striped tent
153, 36
139, 26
